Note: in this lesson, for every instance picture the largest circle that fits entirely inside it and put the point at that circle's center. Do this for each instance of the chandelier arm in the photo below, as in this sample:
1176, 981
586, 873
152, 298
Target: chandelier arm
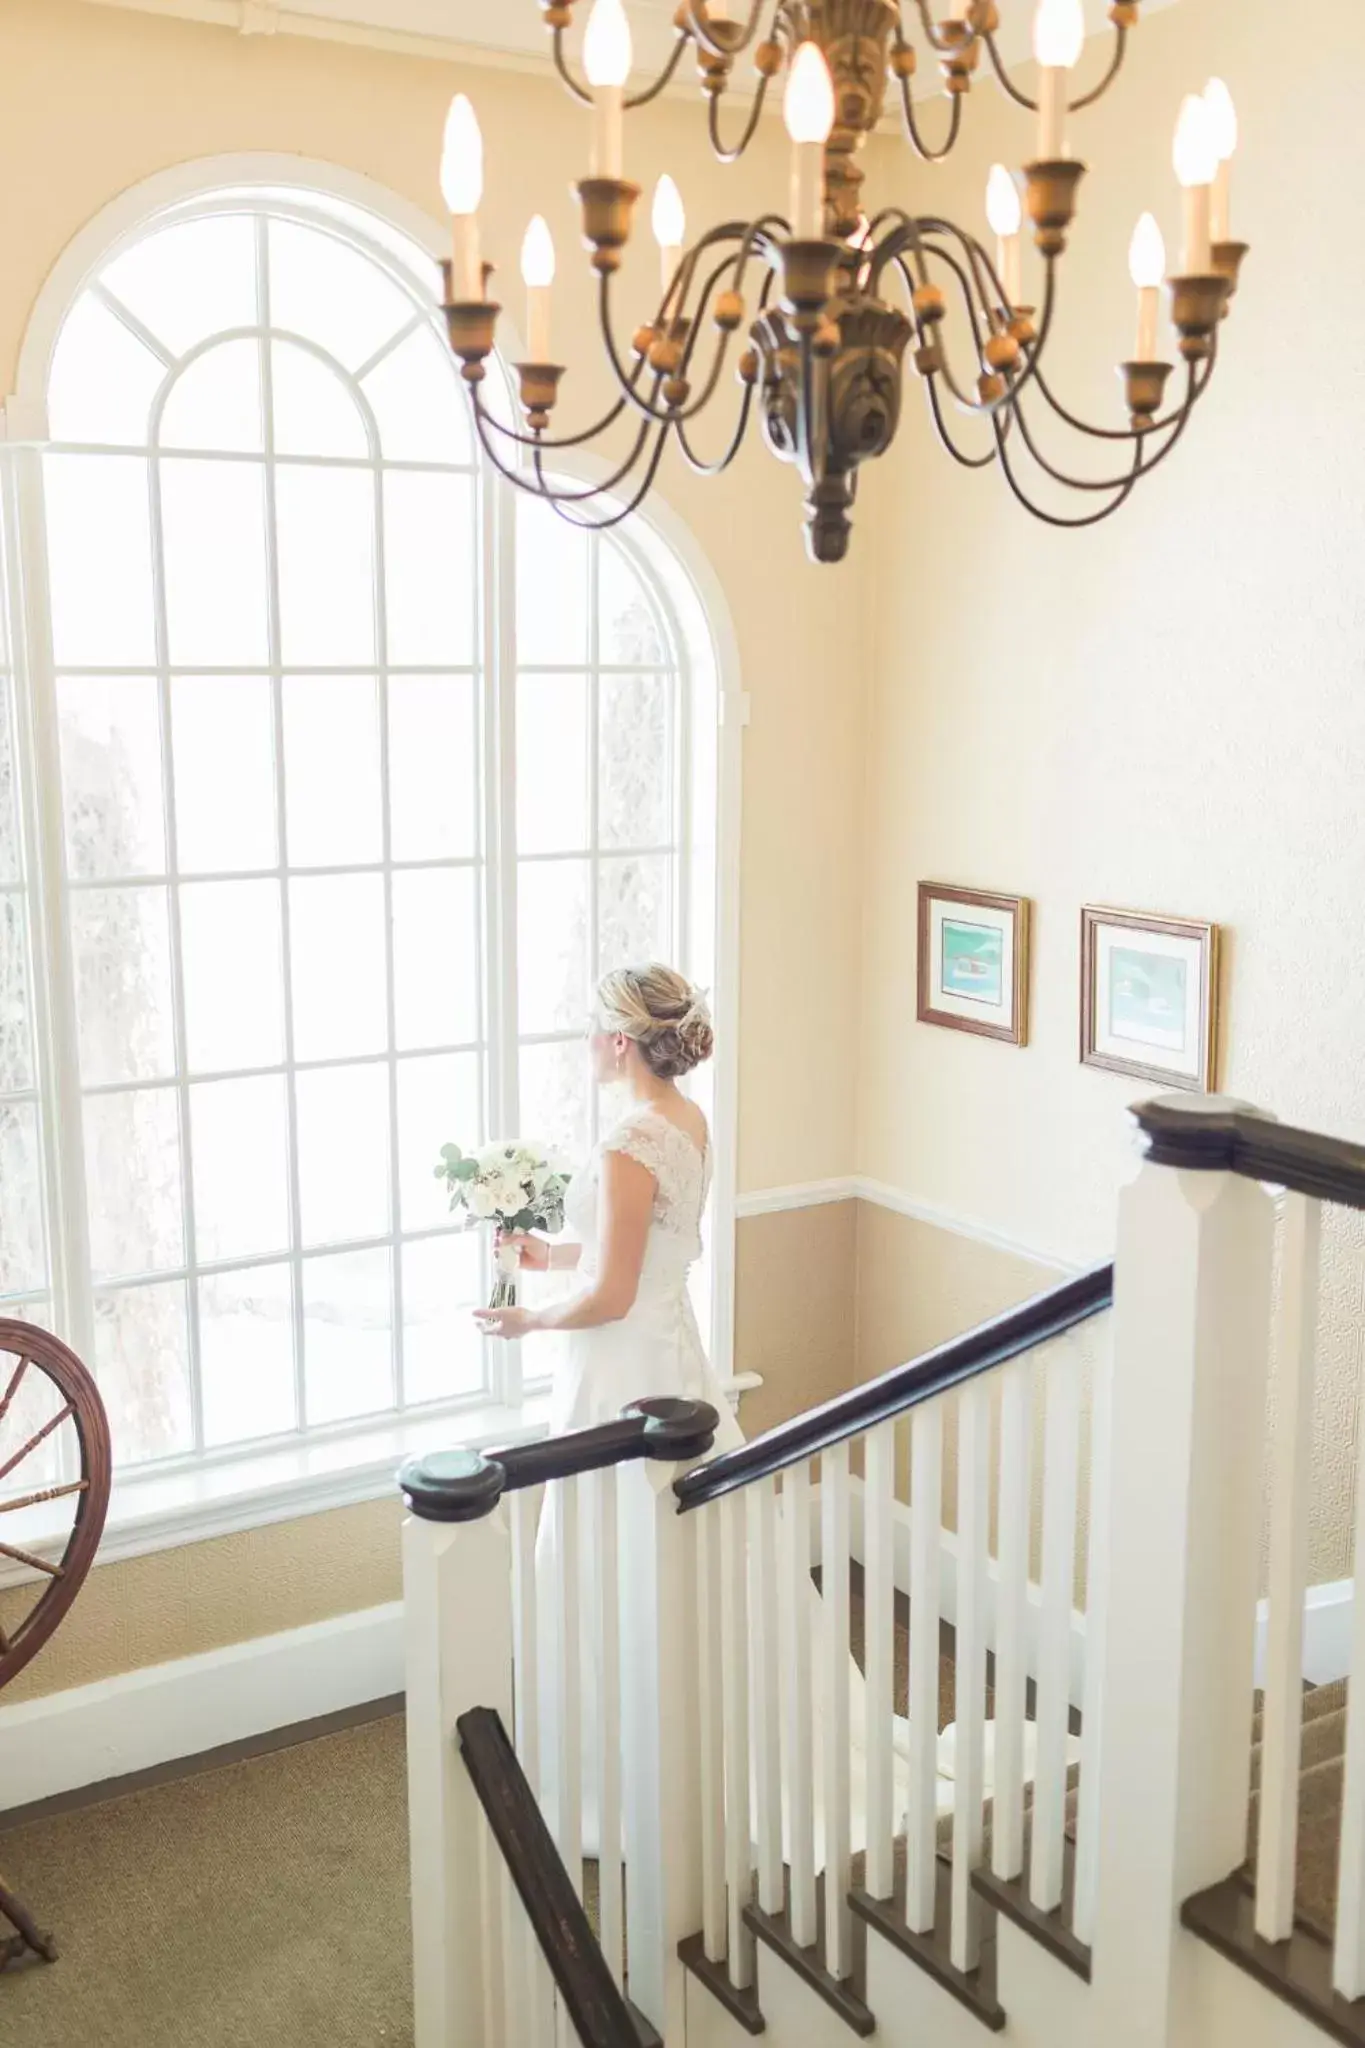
556, 441
557, 494
912, 131
1057, 519
680, 285
733, 154
615, 519
561, 64
699, 24
695, 462
988, 408
640, 99
946, 439
483, 420
1073, 106
934, 34
1199, 380
1112, 483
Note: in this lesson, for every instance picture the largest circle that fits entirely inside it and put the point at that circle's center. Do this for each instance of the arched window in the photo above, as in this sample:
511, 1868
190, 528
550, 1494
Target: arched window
365, 772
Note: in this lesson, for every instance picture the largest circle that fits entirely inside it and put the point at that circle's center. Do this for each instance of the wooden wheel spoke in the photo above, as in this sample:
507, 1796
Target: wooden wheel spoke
33, 1500
38, 1564
12, 1389
54, 1422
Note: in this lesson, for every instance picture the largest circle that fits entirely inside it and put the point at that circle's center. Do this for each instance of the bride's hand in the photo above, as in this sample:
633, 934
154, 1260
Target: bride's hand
533, 1253
505, 1322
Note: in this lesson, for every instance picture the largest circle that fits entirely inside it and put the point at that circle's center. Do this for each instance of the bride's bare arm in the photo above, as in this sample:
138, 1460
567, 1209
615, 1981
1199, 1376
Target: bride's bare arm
625, 1207
538, 1255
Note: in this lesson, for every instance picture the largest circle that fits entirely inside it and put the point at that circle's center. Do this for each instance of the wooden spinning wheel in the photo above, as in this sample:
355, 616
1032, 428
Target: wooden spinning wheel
54, 1494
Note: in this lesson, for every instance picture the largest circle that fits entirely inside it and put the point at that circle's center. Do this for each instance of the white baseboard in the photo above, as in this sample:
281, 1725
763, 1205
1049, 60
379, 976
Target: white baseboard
1327, 1620
143, 1718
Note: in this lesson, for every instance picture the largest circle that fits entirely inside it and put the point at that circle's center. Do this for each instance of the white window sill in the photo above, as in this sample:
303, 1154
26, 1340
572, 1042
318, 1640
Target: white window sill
152, 1511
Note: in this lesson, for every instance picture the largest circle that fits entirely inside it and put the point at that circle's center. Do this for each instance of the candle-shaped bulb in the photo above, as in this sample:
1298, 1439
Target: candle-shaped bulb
538, 254
1003, 208
669, 218
1222, 119
1195, 153
1059, 34
607, 54
462, 158
808, 107
1147, 254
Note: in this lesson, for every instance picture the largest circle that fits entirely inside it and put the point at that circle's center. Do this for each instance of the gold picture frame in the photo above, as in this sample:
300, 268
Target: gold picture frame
973, 961
1151, 1010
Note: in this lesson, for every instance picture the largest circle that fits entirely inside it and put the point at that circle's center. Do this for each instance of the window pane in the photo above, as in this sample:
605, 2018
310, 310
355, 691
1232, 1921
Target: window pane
331, 783
337, 966
556, 1088
552, 763
552, 588
635, 769
216, 402
430, 560
634, 912
230, 943
16, 1039
23, 1260
246, 1350
111, 776
348, 1335
315, 414
223, 738
438, 1104
627, 627
419, 402
343, 1117
328, 292
189, 281
326, 543
238, 1135
443, 1349
142, 1365
132, 1168
214, 519
433, 770
11, 865
552, 945
99, 561
435, 958
121, 942
103, 379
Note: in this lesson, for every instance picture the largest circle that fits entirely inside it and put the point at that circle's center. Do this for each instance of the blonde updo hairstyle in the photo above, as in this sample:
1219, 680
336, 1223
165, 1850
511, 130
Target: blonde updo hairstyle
662, 1012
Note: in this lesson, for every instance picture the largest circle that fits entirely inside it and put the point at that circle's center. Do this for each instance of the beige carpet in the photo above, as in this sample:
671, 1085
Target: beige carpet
259, 1906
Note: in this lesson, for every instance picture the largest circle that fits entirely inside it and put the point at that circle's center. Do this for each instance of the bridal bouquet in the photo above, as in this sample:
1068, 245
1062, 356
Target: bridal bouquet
513, 1185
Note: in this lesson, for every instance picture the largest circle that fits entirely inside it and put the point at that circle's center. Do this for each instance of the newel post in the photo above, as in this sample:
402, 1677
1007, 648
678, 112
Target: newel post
457, 1577
660, 1719
1191, 1352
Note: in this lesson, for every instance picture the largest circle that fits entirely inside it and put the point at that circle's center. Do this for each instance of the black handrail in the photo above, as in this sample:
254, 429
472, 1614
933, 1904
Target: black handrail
464, 1486
989, 1345
600, 2014
1211, 1134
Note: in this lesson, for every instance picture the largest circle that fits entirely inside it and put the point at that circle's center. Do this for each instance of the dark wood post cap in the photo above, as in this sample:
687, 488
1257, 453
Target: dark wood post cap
675, 1430
452, 1486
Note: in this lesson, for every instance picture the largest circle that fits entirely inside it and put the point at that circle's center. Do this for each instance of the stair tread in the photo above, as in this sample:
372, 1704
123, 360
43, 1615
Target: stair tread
975, 1988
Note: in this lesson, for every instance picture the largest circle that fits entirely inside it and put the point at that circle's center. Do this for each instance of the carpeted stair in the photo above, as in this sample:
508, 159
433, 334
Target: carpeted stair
1320, 1780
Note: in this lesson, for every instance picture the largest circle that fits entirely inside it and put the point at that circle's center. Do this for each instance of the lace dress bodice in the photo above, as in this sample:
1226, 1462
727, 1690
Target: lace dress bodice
682, 1175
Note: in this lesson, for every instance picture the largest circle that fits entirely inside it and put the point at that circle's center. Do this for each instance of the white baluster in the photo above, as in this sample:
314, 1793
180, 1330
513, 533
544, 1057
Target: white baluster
607, 1634
1011, 1637
879, 1623
761, 1505
568, 1638
1096, 1630
1061, 1463
1290, 1484
710, 1654
926, 1542
969, 1753
797, 1740
834, 1577
1348, 1960
525, 1516
493, 1881
734, 1632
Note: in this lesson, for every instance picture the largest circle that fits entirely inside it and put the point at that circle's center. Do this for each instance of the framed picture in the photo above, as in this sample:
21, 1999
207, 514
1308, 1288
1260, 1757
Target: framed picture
973, 961
1149, 997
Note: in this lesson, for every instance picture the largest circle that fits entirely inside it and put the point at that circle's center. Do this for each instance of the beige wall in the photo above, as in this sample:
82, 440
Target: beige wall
1165, 713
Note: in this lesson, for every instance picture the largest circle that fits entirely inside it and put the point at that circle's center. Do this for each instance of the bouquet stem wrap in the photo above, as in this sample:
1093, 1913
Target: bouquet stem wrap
508, 1264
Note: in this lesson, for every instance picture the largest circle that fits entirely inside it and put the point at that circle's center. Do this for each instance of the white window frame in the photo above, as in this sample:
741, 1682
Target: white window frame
238, 1487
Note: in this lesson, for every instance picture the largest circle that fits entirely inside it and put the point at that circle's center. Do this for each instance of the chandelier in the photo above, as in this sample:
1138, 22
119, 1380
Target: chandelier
834, 303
